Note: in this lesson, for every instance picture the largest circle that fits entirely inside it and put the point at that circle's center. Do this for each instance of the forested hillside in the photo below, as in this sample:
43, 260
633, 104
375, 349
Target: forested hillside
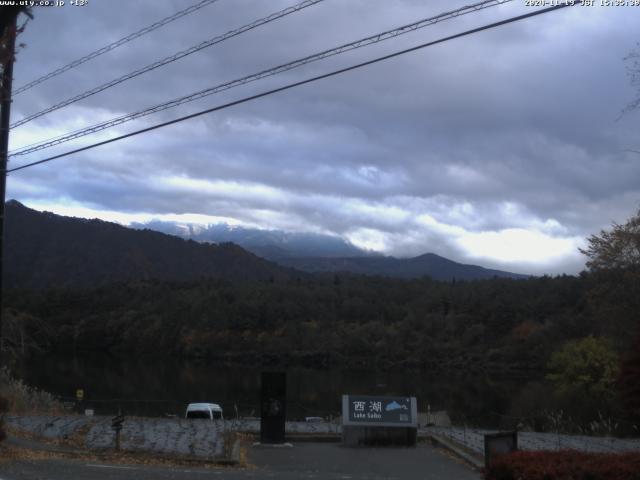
256, 312
44, 250
429, 265
501, 324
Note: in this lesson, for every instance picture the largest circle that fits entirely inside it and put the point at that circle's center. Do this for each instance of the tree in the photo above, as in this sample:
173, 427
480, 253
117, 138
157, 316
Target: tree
8, 32
618, 248
633, 70
586, 366
614, 295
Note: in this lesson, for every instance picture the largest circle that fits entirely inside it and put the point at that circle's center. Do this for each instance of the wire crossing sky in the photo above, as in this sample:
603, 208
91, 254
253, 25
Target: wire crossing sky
505, 149
114, 45
297, 84
170, 59
362, 42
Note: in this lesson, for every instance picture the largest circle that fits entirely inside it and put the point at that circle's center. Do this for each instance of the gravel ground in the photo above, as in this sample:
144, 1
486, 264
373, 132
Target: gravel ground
474, 439
205, 440
197, 438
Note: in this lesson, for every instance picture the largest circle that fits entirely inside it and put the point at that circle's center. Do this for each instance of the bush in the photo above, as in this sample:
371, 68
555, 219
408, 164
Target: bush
21, 398
586, 367
564, 465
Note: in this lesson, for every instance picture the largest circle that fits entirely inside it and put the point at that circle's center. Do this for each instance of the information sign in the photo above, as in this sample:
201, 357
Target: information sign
367, 410
117, 421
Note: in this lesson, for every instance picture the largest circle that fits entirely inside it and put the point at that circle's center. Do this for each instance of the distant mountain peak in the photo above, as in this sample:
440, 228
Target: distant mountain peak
314, 252
270, 244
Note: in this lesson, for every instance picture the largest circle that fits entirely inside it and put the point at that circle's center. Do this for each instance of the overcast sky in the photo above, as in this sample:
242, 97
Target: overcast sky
506, 148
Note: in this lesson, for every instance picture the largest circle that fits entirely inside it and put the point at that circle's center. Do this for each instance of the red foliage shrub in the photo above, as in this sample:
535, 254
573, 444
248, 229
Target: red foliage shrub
564, 465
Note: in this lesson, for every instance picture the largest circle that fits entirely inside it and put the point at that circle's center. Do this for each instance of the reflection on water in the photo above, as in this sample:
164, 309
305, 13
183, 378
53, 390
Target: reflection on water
159, 386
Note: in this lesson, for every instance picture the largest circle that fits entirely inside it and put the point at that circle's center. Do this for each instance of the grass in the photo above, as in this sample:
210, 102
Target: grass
21, 398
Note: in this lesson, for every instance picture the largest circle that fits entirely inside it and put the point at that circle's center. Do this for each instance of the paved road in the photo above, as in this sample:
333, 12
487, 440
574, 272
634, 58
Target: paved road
303, 461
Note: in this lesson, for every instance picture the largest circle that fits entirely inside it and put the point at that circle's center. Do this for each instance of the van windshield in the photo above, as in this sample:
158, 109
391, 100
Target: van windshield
217, 415
199, 414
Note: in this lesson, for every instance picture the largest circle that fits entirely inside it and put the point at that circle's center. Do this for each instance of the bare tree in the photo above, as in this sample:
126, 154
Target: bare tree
633, 71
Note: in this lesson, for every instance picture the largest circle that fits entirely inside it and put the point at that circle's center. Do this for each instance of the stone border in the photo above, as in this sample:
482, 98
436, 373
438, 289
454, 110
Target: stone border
454, 448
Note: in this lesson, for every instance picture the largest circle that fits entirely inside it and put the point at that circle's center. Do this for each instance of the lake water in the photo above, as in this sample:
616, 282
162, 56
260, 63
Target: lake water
160, 386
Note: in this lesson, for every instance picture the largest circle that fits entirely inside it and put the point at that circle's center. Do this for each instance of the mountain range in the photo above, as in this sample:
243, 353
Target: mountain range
315, 252
43, 249
271, 244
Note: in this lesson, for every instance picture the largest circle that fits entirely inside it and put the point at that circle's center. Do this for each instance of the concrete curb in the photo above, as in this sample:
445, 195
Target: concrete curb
272, 445
453, 447
314, 437
305, 437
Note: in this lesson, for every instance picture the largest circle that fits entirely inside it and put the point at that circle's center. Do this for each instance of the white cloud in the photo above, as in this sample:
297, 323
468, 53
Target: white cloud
519, 246
220, 188
368, 239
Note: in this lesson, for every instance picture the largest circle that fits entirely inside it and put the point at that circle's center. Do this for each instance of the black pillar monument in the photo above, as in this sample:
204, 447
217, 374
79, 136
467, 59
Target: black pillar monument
273, 407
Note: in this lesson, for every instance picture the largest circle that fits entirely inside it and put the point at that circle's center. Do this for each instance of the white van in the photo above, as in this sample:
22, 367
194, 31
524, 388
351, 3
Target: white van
207, 411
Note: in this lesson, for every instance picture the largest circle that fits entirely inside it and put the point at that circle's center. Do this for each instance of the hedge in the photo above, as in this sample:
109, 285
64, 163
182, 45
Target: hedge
564, 465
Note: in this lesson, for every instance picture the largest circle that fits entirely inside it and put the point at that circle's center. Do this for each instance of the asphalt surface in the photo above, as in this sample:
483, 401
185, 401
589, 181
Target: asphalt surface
302, 461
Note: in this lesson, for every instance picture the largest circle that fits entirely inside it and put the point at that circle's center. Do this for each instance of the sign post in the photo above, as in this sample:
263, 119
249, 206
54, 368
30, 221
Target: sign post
379, 420
79, 400
116, 424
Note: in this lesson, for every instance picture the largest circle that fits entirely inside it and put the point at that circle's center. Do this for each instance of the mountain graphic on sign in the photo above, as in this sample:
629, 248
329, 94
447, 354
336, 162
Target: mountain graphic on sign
394, 406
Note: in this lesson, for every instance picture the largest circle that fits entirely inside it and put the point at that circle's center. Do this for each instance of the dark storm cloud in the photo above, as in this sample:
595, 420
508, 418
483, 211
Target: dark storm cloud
507, 136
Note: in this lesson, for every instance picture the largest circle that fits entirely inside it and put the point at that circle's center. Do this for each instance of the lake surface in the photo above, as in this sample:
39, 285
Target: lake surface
160, 386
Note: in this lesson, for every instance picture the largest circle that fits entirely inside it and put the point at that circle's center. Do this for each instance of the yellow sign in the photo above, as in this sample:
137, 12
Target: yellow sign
79, 394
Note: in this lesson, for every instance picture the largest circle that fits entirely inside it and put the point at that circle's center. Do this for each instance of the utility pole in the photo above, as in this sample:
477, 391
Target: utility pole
8, 35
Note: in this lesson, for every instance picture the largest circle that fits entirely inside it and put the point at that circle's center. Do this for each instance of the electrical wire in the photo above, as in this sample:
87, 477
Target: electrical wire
114, 45
262, 74
302, 82
169, 59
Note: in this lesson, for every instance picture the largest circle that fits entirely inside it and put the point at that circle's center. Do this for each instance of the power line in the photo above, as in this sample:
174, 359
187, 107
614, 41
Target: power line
115, 45
170, 59
302, 82
263, 74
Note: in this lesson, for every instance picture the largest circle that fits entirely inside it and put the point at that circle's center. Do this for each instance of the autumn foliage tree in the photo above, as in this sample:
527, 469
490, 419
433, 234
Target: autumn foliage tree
614, 265
618, 248
614, 262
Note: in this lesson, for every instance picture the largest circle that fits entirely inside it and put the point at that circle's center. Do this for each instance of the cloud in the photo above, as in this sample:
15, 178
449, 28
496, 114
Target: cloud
503, 148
